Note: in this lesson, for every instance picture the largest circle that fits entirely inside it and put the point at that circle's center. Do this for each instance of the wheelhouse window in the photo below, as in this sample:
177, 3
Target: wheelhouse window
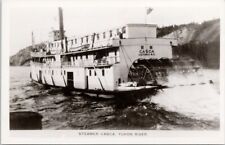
90, 72
81, 39
103, 35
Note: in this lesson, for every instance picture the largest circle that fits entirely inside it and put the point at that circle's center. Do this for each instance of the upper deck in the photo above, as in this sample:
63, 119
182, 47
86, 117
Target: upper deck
131, 34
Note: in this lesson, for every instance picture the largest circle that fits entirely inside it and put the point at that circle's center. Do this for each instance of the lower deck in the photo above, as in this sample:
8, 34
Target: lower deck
88, 78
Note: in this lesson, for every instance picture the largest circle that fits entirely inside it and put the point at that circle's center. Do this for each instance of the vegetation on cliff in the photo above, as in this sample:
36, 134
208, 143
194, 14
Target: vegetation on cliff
198, 41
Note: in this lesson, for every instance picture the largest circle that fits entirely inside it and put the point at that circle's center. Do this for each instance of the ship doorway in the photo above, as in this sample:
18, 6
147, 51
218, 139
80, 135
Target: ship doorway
40, 77
86, 83
70, 79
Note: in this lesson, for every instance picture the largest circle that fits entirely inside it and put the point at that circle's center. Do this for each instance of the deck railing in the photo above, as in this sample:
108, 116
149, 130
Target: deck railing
80, 63
90, 62
37, 54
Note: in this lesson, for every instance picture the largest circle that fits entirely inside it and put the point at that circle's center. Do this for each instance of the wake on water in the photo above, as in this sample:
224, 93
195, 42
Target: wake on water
196, 95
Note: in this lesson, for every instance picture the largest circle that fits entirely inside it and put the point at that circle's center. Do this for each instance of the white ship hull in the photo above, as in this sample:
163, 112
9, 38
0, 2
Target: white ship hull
81, 84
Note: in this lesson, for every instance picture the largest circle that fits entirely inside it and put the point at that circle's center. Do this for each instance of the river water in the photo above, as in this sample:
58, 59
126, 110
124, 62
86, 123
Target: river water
190, 106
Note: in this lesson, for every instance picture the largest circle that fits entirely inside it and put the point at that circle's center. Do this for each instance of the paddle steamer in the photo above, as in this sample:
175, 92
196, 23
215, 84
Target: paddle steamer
127, 59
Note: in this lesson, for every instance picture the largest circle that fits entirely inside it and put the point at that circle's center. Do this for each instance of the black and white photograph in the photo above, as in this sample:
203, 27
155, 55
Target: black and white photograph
112, 69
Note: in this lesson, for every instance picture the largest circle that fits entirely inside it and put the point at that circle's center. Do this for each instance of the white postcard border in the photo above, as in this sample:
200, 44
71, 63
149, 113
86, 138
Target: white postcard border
72, 136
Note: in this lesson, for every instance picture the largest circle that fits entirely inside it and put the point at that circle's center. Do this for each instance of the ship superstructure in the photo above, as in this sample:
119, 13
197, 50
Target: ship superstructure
126, 58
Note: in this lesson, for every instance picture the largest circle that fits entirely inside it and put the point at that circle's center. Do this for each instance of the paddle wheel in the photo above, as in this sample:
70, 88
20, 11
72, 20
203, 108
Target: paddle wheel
149, 72
156, 71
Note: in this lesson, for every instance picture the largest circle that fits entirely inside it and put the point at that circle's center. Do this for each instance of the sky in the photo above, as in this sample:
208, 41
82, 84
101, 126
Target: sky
85, 17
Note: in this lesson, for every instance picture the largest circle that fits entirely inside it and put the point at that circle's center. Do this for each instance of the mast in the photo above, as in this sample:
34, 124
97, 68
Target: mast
32, 40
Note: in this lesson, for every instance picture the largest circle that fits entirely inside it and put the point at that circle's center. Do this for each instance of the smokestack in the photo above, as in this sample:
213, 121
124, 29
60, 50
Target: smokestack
61, 23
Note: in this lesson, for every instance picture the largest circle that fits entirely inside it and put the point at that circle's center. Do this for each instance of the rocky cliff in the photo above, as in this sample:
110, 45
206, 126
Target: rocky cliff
199, 41
21, 58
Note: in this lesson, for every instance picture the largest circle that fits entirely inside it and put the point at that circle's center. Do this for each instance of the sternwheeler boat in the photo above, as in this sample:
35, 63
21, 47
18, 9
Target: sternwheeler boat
127, 60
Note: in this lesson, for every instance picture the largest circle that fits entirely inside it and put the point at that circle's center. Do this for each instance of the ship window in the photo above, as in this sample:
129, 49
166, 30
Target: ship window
87, 39
119, 80
71, 42
86, 56
142, 47
95, 73
103, 72
81, 40
103, 35
150, 47
124, 29
89, 72
117, 31
110, 33
75, 41
97, 36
